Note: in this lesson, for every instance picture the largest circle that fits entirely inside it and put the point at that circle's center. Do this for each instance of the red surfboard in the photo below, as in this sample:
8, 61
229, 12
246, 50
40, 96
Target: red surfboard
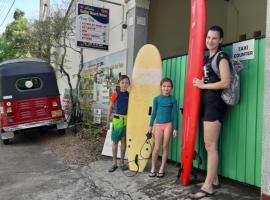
192, 94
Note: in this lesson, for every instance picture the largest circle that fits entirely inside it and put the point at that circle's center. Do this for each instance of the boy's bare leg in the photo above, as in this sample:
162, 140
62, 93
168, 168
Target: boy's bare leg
114, 152
123, 149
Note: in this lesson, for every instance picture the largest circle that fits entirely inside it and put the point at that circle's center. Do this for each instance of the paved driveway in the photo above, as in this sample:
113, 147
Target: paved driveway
29, 170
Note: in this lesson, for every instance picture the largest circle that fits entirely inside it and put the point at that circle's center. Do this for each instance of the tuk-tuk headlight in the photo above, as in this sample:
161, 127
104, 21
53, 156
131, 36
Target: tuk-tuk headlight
8, 103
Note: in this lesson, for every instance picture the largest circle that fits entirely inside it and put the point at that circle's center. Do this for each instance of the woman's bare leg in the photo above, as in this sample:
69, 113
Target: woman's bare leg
211, 135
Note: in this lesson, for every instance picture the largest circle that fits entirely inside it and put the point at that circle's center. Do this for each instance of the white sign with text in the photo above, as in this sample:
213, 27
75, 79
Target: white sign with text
92, 27
243, 50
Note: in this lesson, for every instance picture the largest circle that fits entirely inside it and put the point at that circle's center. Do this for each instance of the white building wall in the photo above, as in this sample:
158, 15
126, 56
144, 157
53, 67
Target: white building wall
117, 41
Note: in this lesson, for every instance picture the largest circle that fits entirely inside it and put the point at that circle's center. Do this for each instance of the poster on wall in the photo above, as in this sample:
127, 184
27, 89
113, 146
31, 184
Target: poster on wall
67, 104
97, 116
98, 80
92, 27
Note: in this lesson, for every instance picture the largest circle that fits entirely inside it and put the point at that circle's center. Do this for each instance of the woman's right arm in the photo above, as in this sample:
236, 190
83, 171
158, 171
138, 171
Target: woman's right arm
224, 82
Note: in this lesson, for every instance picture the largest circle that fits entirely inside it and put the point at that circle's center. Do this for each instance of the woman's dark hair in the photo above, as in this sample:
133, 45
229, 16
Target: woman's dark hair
166, 79
218, 29
122, 77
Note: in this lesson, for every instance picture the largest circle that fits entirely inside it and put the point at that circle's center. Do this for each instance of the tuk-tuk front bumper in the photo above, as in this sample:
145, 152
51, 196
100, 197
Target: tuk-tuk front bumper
8, 132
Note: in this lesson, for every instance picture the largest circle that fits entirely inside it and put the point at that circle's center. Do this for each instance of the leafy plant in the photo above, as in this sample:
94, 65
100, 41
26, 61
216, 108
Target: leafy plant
84, 123
92, 130
17, 40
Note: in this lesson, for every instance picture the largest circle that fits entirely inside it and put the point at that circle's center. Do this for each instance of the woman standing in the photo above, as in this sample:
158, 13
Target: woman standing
213, 107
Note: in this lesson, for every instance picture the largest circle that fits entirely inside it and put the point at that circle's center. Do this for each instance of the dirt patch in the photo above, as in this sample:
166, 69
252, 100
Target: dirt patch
76, 149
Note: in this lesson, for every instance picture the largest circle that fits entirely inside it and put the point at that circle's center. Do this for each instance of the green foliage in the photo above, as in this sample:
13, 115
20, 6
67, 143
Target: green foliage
85, 125
92, 130
87, 128
16, 41
42, 35
18, 14
4, 53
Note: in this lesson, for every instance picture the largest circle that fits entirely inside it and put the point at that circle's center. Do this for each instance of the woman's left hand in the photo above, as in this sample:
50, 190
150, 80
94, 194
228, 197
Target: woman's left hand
175, 133
198, 83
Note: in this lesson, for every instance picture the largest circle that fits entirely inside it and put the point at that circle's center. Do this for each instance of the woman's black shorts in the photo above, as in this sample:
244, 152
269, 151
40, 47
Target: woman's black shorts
213, 109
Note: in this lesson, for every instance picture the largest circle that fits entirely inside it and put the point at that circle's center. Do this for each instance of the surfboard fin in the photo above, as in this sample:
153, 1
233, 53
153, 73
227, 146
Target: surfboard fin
182, 110
197, 157
150, 110
194, 177
179, 172
136, 160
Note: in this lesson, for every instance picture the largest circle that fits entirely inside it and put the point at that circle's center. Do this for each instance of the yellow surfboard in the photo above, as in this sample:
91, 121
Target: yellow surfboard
146, 77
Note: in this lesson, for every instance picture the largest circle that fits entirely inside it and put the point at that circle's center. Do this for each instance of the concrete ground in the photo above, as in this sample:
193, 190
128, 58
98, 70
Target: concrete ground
30, 171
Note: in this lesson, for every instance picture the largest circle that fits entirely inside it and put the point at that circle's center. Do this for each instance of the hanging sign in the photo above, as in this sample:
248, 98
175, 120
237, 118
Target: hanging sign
92, 27
243, 50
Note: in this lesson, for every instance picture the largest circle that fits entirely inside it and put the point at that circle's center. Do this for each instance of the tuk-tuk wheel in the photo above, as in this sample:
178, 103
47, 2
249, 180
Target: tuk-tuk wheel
61, 131
6, 141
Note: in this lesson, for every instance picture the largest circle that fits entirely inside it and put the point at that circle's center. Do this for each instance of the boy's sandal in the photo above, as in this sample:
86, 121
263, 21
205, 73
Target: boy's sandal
124, 167
113, 168
160, 175
152, 174
203, 194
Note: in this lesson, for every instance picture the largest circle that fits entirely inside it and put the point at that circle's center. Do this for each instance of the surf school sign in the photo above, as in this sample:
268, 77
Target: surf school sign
92, 27
243, 50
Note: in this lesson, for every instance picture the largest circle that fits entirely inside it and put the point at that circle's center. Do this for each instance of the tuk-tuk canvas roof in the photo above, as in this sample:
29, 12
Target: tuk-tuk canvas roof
24, 66
14, 70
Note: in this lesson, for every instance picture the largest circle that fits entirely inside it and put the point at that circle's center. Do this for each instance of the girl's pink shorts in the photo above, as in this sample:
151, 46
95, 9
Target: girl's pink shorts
164, 126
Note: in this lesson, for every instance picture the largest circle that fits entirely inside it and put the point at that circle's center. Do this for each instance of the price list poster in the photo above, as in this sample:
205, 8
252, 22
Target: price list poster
92, 27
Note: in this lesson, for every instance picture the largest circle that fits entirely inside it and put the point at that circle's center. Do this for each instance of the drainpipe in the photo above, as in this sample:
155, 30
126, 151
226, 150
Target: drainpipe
137, 26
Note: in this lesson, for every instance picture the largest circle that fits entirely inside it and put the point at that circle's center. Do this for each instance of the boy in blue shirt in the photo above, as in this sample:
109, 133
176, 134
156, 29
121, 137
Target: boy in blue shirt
119, 99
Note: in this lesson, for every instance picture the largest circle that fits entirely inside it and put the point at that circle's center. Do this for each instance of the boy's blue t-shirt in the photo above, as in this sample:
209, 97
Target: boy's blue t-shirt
121, 102
164, 111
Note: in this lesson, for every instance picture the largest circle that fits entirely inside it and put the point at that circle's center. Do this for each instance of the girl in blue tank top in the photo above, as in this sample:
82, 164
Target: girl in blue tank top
165, 116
